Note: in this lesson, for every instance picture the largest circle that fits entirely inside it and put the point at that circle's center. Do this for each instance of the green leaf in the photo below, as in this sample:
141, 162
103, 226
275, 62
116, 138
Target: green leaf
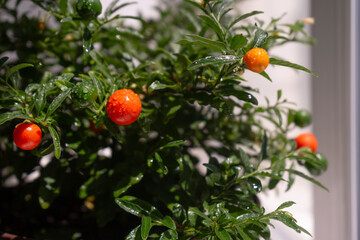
214, 25
239, 94
138, 207
284, 63
16, 68
104, 70
56, 141
87, 40
55, 104
263, 153
208, 42
135, 234
242, 233
238, 41
265, 75
156, 85
113, 129
242, 17
259, 38
160, 161
168, 222
287, 219
222, 234
192, 2
40, 99
98, 85
199, 213
172, 144
216, 61
285, 205
306, 177
169, 235
8, 116
145, 226
3, 60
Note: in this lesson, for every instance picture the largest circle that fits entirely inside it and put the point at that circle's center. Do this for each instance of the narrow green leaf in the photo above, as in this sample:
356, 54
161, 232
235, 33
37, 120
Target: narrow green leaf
3, 60
208, 42
214, 25
160, 161
145, 226
306, 177
138, 207
259, 38
216, 61
285, 205
98, 85
55, 104
40, 99
284, 63
242, 17
168, 222
263, 153
173, 144
192, 2
63, 6
199, 213
243, 234
16, 68
87, 41
222, 234
135, 234
236, 92
238, 41
56, 141
8, 116
156, 85
265, 75
169, 235
113, 129
104, 70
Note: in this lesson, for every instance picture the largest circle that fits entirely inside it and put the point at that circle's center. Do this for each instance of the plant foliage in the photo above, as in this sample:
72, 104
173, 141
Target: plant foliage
143, 181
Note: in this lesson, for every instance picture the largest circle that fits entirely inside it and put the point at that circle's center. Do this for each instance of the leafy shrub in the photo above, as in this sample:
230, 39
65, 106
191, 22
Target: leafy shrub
142, 180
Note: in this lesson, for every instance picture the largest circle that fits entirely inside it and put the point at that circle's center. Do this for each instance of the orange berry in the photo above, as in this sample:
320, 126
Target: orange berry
42, 26
306, 140
123, 107
256, 59
27, 136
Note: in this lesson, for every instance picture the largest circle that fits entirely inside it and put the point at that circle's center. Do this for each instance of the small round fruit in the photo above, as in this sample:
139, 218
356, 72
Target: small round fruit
321, 165
88, 9
302, 118
306, 140
84, 94
94, 128
27, 136
123, 107
256, 59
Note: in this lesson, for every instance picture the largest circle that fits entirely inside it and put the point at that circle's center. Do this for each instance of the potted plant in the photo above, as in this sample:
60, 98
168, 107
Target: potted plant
99, 121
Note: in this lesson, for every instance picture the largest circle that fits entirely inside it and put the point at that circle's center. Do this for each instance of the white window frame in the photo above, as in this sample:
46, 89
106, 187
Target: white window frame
336, 108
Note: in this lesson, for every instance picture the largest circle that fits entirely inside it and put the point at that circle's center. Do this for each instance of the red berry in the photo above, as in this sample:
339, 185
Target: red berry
306, 140
27, 136
123, 107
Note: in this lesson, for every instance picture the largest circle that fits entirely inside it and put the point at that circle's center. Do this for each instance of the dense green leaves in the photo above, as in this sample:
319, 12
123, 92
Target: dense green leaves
191, 166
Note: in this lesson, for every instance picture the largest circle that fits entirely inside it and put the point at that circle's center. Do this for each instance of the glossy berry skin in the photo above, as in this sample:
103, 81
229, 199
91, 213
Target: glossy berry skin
306, 140
123, 107
88, 9
27, 136
256, 59
302, 118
